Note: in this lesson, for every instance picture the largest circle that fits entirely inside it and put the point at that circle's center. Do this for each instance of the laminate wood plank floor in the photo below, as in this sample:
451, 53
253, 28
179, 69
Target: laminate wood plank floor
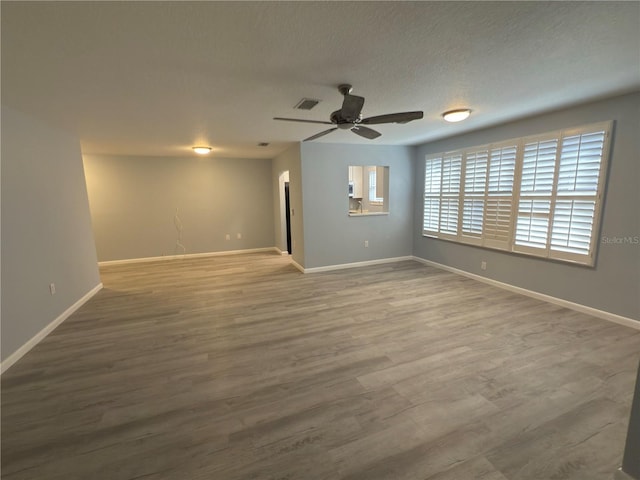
242, 368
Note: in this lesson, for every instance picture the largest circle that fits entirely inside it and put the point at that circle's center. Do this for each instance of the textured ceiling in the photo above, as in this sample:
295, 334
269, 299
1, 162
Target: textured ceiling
154, 78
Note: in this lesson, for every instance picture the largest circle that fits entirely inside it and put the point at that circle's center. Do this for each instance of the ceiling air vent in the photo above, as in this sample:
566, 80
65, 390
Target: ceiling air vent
306, 104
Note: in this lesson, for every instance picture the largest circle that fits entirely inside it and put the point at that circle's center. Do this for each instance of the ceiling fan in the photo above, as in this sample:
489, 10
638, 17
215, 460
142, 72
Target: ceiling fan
349, 117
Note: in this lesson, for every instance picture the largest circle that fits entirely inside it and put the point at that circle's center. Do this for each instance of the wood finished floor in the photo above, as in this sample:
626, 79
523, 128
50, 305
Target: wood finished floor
240, 367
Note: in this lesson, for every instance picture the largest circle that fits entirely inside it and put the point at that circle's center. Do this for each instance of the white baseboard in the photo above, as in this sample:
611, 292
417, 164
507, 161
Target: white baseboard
297, 265
281, 252
612, 317
342, 266
37, 338
188, 255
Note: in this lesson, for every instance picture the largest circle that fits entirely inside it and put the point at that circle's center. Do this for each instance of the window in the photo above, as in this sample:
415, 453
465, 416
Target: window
537, 195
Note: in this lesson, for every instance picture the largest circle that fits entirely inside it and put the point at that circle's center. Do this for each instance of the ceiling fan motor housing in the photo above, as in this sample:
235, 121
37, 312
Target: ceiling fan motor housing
340, 122
345, 89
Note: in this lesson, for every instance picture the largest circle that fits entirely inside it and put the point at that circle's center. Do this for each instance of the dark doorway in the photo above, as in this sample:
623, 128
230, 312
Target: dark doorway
287, 209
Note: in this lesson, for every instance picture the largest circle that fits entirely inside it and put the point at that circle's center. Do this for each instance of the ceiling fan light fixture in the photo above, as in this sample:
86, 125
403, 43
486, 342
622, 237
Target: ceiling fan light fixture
456, 115
202, 150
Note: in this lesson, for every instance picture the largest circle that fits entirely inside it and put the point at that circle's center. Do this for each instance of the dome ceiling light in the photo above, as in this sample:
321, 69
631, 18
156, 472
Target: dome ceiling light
456, 115
202, 150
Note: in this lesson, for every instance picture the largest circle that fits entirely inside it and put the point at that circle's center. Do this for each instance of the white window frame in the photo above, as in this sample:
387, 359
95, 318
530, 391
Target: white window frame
505, 219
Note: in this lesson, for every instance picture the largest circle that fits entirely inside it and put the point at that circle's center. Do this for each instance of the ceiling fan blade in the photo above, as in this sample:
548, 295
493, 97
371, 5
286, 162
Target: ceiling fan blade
321, 134
303, 121
351, 107
402, 117
365, 132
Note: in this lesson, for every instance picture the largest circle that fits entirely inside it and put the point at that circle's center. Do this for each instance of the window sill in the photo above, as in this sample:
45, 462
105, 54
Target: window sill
367, 214
580, 261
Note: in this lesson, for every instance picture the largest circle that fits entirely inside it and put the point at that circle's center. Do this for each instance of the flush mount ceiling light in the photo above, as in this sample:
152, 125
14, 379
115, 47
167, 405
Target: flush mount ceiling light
201, 150
456, 115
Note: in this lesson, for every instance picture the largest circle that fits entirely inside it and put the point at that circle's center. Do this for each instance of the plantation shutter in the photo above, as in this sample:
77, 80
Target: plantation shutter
432, 182
450, 194
473, 200
540, 195
577, 194
536, 190
499, 200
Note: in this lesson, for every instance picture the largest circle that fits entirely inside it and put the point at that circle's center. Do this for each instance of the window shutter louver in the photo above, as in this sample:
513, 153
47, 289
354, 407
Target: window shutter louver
578, 181
431, 215
572, 226
449, 200
532, 224
536, 188
432, 180
538, 167
499, 201
475, 180
580, 164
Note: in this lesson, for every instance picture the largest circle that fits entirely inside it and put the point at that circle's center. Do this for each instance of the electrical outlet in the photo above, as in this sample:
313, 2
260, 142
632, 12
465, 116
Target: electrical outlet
52, 288
483, 265
227, 237
239, 236
366, 244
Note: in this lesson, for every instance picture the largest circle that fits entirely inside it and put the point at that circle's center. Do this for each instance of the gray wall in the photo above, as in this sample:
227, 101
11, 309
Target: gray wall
134, 200
332, 237
289, 161
46, 228
614, 284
